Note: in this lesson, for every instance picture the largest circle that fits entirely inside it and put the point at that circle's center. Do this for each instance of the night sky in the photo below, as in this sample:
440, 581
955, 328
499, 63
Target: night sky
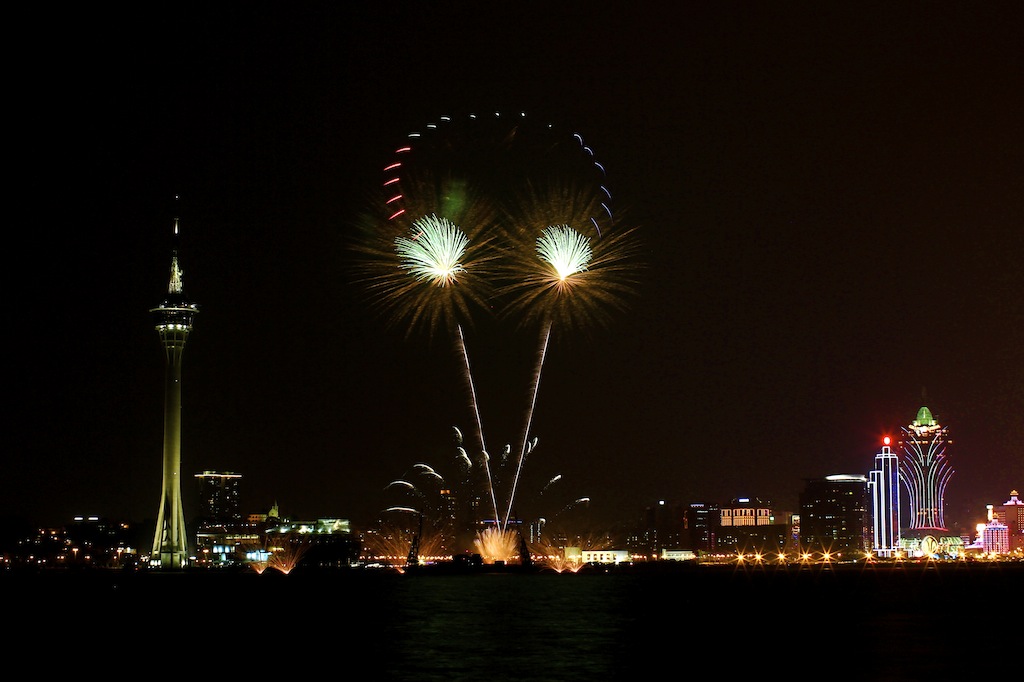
830, 199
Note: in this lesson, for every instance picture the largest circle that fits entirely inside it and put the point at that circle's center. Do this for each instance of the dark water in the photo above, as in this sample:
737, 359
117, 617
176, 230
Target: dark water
893, 624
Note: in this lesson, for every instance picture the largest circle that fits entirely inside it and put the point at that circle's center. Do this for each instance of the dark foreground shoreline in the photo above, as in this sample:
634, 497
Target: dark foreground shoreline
840, 575
890, 622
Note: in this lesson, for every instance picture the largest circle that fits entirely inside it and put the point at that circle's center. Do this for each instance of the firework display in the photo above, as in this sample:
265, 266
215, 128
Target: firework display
499, 217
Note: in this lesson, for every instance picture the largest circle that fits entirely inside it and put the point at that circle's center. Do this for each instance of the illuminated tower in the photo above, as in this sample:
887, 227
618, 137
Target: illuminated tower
884, 483
925, 470
173, 323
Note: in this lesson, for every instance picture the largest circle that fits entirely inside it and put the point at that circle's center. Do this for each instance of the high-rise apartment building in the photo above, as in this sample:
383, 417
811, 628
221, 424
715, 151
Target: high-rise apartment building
995, 537
884, 486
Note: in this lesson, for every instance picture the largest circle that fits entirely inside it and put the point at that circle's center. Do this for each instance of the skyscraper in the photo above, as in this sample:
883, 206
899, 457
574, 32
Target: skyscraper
884, 485
219, 498
834, 515
1011, 513
173, 324
701, 521
925, 471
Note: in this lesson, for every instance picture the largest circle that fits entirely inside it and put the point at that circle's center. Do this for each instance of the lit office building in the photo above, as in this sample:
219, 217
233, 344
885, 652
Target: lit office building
448, 523
746, 511
664, 523
749, 525
660, 526
701, 524
219, 499
1011, 513
834, 516
884, 485
221, 535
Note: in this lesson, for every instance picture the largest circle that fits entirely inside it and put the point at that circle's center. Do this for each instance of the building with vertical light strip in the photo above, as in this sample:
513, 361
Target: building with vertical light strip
884, 487
925, 470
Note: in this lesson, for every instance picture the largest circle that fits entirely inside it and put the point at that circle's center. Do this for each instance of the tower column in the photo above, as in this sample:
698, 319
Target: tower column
173, 324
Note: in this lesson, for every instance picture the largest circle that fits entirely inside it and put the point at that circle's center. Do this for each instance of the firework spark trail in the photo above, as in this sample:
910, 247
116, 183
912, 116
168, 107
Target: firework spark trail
461, 346
434, 252
529, 420
554, 480
565, 252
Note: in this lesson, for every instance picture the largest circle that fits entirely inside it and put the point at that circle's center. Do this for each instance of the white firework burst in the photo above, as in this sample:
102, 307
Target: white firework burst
434, 251
564, 249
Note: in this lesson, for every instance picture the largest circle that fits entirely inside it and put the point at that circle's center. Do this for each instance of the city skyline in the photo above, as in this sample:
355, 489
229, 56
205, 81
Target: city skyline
829, 206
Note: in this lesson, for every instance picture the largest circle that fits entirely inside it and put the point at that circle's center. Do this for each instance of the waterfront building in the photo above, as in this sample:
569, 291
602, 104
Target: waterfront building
173, 323
661, 525
219, 497
884, 485
749, 525
448, 527
746, 511
925, 471
320, 543
934, 546
221, 534
87, 541
995, 538
664, 523
834, 516
604, 556
1011, 513
701, 524
227, 545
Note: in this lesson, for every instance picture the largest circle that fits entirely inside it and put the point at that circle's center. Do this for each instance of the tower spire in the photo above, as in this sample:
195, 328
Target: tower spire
175, 286
173, 322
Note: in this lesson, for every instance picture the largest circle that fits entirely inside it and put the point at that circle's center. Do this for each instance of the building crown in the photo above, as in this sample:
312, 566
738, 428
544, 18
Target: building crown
924, 417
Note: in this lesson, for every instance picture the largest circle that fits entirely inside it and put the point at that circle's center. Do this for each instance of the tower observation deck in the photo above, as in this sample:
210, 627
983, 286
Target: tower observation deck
173, 320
